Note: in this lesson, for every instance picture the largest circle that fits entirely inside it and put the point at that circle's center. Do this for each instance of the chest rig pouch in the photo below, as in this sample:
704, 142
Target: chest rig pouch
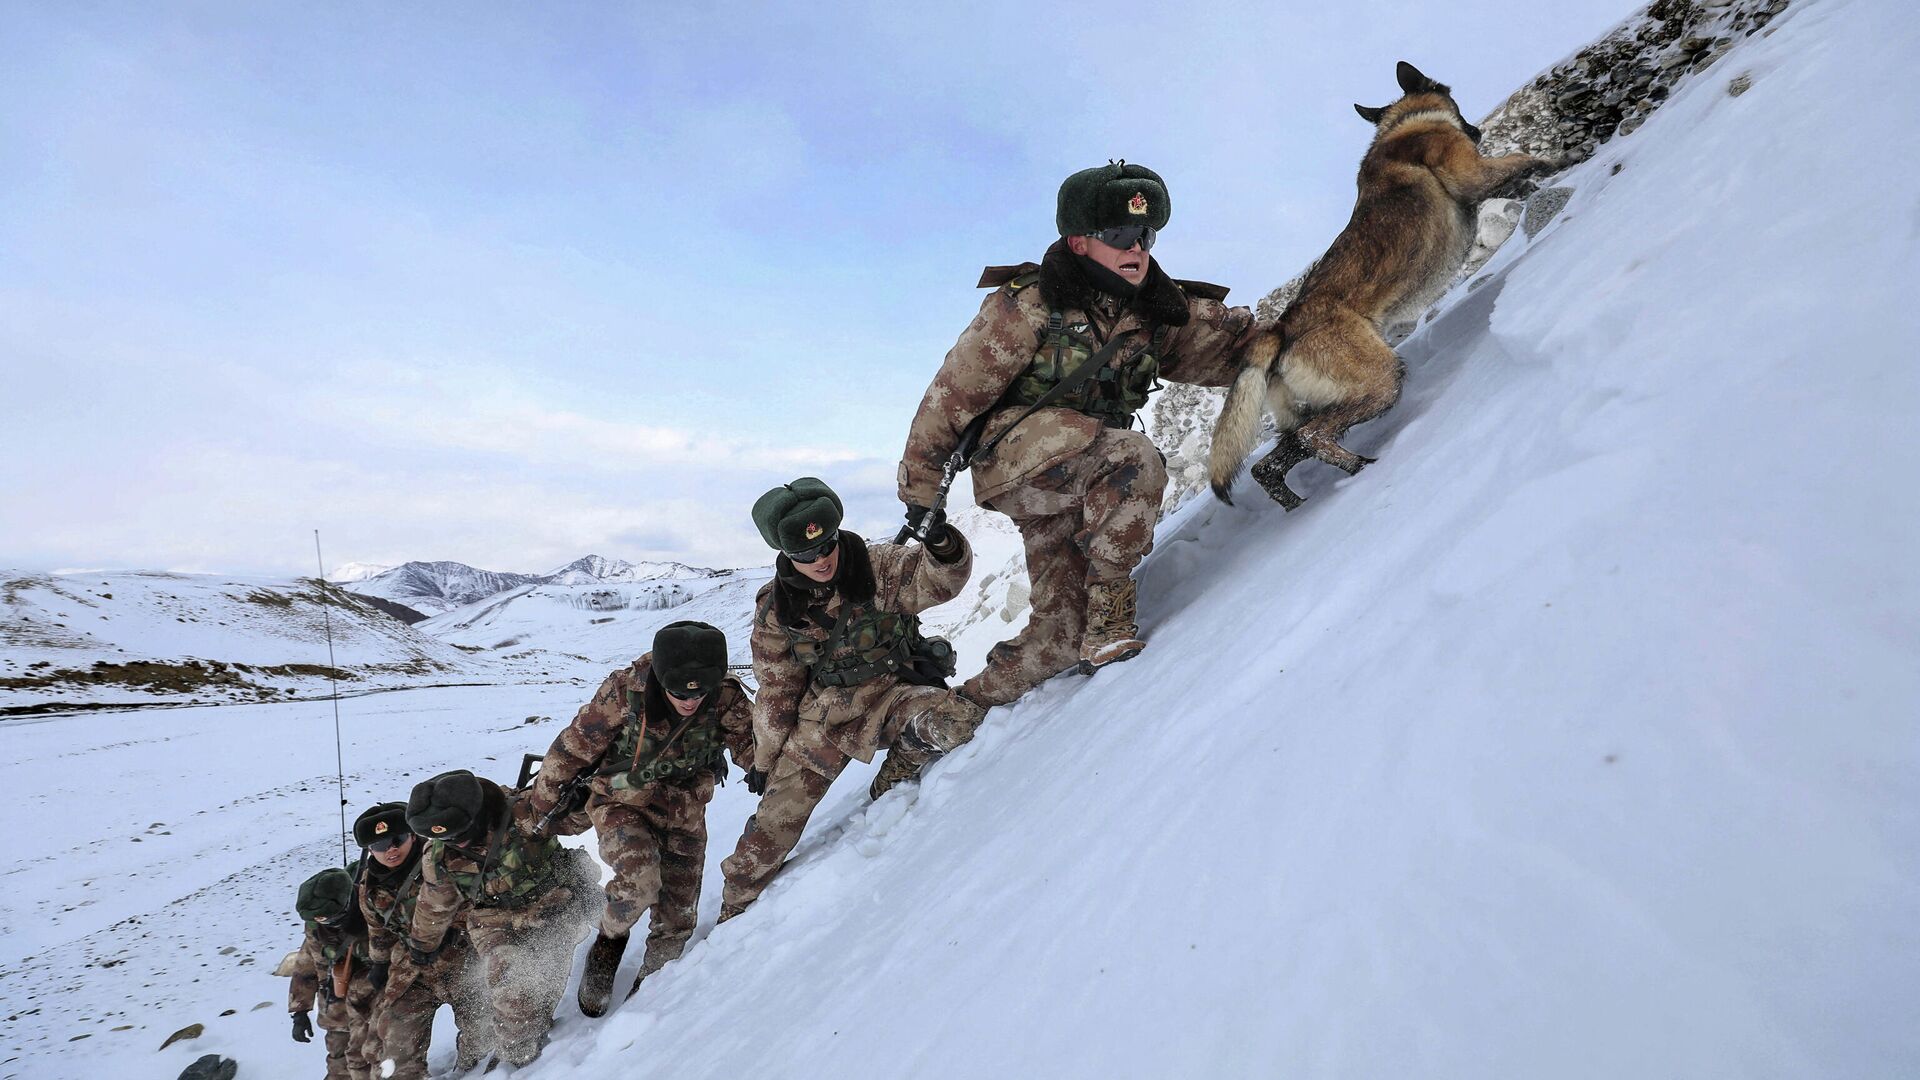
699, 746
867, 643
521, 864
1111, 396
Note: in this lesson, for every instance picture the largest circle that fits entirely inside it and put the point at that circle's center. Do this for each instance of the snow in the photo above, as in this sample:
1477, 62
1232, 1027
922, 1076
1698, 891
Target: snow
53, 623
1574, 738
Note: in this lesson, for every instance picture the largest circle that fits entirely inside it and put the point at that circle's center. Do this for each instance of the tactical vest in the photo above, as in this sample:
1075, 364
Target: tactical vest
864, 644
398, 915
524, 866
1111, 396
699, 746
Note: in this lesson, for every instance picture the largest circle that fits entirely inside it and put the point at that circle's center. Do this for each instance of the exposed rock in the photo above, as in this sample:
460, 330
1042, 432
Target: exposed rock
1543, 206
191, 1031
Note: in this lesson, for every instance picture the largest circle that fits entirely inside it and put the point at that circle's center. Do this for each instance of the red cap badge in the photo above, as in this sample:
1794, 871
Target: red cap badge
1137, 204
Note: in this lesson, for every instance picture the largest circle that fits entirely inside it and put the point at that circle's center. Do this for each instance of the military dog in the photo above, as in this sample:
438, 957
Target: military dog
1325, 366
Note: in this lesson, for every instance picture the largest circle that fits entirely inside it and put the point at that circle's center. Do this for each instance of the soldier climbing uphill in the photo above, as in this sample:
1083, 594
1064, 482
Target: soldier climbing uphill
410, 995
643, 756
527, 900
1047, 378
843, 669
334, 965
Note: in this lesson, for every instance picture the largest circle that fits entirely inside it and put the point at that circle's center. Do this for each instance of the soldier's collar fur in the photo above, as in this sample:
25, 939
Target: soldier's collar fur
1063, 284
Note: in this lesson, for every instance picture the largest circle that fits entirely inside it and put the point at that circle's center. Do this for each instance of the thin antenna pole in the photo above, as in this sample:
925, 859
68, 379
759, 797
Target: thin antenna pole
339, 757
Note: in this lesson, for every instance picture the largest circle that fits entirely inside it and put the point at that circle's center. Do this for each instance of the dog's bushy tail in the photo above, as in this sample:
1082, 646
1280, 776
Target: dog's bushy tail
1238, 429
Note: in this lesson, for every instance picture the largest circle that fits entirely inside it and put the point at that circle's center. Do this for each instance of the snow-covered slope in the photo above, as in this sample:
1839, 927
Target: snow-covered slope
93, 639
601, 624
348, 573
435, 588
595, 569
1575, 738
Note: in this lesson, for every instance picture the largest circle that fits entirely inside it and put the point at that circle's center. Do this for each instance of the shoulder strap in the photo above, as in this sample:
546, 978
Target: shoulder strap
1020, 275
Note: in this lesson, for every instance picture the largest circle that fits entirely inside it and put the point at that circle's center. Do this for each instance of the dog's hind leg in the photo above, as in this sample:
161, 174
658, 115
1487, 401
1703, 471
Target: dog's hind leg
1374, 374
1271, 471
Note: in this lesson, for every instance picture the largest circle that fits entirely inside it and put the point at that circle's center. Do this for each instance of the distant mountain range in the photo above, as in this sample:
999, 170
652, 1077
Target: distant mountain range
436, 588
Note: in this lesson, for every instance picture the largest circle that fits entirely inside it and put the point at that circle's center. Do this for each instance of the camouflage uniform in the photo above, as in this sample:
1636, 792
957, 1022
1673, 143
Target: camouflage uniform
1083, 488
648, 805
347, 1019
403, 1015
527, 902
804, 733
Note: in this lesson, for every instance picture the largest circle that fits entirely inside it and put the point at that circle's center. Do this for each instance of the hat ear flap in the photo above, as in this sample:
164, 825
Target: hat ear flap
1370, 115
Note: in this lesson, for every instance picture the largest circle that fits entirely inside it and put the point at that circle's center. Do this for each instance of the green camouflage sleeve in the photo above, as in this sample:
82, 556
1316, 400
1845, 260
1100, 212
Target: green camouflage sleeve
306, 976
995, 348
582, 742
1206, 351
736, 724
911, 580
782, 678
439, 901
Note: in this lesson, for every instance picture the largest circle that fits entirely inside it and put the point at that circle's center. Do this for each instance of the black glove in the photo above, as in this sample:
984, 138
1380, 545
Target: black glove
302, 1027
377, 974
422, 957
720, 771
945, 543
756, 781
916, 515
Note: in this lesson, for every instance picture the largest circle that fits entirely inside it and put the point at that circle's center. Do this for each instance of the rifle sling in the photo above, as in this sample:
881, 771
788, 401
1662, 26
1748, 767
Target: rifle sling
1054, 393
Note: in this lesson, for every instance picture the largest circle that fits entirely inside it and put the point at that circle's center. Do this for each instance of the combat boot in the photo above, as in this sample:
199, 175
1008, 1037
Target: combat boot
1112, 635
892, 771
596, 982
945, 726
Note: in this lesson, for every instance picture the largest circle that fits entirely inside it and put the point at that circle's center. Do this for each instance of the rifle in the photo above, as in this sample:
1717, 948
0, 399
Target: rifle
957, 463
572, 792
964, 454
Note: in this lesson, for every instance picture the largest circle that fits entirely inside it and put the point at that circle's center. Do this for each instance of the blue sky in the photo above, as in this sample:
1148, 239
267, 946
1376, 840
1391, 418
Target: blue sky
509, 285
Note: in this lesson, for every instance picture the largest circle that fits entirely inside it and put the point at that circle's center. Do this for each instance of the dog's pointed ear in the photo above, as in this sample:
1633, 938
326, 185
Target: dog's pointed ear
1411, 80
1371, 116
1472, 132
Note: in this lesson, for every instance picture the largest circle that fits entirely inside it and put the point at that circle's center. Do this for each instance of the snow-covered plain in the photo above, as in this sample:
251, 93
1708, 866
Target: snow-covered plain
1575, 738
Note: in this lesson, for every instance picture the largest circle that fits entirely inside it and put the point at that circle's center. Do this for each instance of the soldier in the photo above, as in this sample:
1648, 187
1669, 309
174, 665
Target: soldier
1081, 485
527, 900
645, 754
843, 670
334, 964
403, 1014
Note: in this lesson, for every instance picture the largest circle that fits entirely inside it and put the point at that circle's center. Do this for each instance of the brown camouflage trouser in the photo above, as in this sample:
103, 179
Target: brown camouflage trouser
526, 954
1088, 520
806, 768
351, 1037
405, 1012
655, 867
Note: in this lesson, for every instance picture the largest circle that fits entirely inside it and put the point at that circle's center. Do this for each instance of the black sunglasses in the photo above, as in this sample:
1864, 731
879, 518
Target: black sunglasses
386, 843
1125, 236
685, 695
814, 554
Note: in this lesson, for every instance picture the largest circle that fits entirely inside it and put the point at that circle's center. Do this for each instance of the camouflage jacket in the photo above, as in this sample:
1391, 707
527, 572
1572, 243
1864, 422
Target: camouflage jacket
1202, 346
321, 951
387, 903
614, 726
907, 580
512, 870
